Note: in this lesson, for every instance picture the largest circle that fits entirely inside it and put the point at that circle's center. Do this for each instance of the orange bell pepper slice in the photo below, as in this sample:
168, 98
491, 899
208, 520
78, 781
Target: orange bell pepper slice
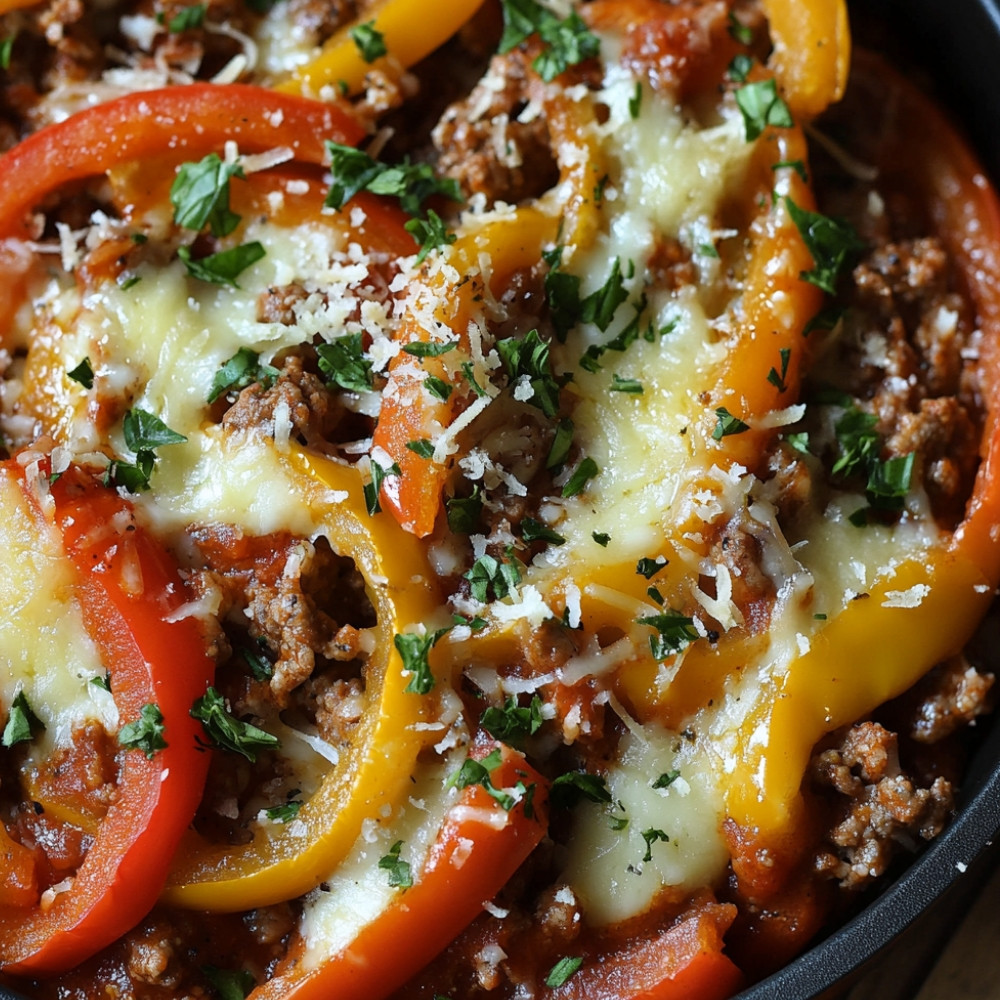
812, 52
470, 862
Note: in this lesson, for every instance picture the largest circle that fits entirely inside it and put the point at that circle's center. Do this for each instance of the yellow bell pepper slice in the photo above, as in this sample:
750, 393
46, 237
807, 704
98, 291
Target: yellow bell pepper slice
872, 651
410, 32
812, 52
282, 861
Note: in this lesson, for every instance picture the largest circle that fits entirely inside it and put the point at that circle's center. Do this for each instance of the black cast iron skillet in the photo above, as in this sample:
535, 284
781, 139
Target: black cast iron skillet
957, 43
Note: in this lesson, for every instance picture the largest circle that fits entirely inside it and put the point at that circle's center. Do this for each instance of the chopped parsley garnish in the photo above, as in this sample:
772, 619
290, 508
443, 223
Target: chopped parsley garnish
422, 447
412, 183
561, 444
244, 368
513, 723
144, 432
590, 361
739, 67
187, 19
674, 631
566, 42
566, 308
22, 723
629, 385
651, 836
464, 512
577, 786
372, 488
601, 537
344, 364
200, 195
260, 666
727, 424
857, 441
562, 971
6, 48
127, 281
635, 101
144, 733
562, 293
83, 373
599, 307
400, 875
430, 233
369, 40
761, 106
649, 567
584, 472
739, 31
889, 482
777, 378
826, 319
493, 579
229, 984
224, 267
535, 531
228, 732
832, 243
413, 650
528, 357
474, 772
284, 813
654, 595
666, 779
799, 440
430, 348
797, 165
437, 387
468, 370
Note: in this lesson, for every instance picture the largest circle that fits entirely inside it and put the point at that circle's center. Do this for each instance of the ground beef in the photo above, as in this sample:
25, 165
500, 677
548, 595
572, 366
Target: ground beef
298, 404
739, 549
300, 599
913, 376
949, 697
482, 144
880, 809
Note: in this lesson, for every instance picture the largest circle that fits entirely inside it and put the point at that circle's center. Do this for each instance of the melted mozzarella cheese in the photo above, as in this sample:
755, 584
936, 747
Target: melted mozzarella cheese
45, 649
649, 840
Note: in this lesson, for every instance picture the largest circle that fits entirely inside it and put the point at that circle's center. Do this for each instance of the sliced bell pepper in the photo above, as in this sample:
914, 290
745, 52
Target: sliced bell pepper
129, 589
511, 243
683, 962
193, 120
409, 35
875, 648
776, 303
282, 862
409, 412
812, 51
470, 862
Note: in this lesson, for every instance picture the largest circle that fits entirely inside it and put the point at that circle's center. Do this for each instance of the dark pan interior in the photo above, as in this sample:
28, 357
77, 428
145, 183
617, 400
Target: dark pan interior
958, 45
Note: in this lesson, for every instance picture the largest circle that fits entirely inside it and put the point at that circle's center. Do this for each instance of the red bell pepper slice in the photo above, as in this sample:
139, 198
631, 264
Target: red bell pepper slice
683, 962
469, 863
152, 658
194, 119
